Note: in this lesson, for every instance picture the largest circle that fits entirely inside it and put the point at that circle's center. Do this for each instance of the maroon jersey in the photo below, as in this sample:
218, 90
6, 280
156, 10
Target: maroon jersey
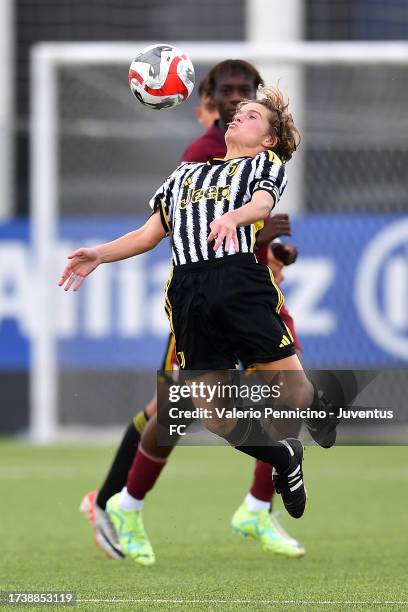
262, 257
210, 144
262, 254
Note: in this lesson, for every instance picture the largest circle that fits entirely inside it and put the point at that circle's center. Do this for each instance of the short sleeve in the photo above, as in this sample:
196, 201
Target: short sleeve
162, 201
270, 175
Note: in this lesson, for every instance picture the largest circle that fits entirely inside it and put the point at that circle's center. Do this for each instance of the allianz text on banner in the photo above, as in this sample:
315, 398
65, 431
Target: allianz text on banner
348, 294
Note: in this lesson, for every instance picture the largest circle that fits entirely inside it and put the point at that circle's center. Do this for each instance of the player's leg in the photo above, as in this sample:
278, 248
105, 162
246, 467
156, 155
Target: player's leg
259, 501
256, 510
255, 517
94, 503
228, 300
262, 339
118, 472
249, 436
125, 508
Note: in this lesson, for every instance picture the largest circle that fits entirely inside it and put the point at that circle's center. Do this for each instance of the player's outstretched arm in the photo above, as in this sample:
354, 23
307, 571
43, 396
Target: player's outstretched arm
225, 228
85, 260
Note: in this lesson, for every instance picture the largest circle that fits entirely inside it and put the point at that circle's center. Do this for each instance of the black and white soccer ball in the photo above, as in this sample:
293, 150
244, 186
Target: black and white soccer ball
161, 76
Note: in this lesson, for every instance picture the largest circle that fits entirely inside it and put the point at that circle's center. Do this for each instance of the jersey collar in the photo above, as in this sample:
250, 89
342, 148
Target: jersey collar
217, 161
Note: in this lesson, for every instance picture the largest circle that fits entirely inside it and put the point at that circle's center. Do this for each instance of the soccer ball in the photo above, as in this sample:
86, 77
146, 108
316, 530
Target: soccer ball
161, 76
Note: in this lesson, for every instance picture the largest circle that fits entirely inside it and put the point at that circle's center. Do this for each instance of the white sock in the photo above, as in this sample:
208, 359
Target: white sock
255, 505
127, 502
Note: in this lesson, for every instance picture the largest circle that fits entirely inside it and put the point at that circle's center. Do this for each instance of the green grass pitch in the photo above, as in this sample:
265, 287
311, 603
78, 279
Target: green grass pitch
354, 530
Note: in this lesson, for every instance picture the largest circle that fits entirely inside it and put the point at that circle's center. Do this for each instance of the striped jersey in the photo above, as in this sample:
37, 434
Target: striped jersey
196, 194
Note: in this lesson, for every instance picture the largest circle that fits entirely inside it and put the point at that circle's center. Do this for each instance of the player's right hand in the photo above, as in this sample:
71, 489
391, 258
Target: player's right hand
83, 262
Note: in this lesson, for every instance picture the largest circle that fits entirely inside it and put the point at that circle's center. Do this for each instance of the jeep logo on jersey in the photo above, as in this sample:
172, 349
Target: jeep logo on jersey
381, 289
218, 193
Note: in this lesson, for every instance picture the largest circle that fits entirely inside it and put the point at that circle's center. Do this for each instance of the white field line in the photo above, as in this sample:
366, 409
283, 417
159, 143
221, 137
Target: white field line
244, 601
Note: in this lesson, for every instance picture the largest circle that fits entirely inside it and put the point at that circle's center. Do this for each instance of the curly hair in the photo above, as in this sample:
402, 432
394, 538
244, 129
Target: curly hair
280, 121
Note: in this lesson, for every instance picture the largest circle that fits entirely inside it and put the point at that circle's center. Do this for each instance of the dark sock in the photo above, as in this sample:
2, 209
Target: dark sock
118, 472
249, 437
321, 403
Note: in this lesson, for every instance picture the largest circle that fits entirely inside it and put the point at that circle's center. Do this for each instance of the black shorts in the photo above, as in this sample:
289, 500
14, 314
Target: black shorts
226, 311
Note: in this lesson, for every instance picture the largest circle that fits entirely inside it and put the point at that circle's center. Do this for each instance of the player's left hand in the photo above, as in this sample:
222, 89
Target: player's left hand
222, 229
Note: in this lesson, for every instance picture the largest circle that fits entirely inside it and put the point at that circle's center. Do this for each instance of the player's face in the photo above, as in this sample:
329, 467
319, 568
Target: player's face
205, 113
250, 127
229, 91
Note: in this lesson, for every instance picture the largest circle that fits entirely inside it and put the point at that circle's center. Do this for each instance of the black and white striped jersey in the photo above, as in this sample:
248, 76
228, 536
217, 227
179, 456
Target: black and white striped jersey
197, 193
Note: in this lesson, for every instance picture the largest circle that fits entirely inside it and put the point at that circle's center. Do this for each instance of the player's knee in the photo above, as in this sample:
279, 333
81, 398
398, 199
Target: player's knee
220, 427
299, 394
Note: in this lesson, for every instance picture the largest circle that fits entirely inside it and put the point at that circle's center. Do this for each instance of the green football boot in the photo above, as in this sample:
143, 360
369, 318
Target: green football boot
267, 530
131, 533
